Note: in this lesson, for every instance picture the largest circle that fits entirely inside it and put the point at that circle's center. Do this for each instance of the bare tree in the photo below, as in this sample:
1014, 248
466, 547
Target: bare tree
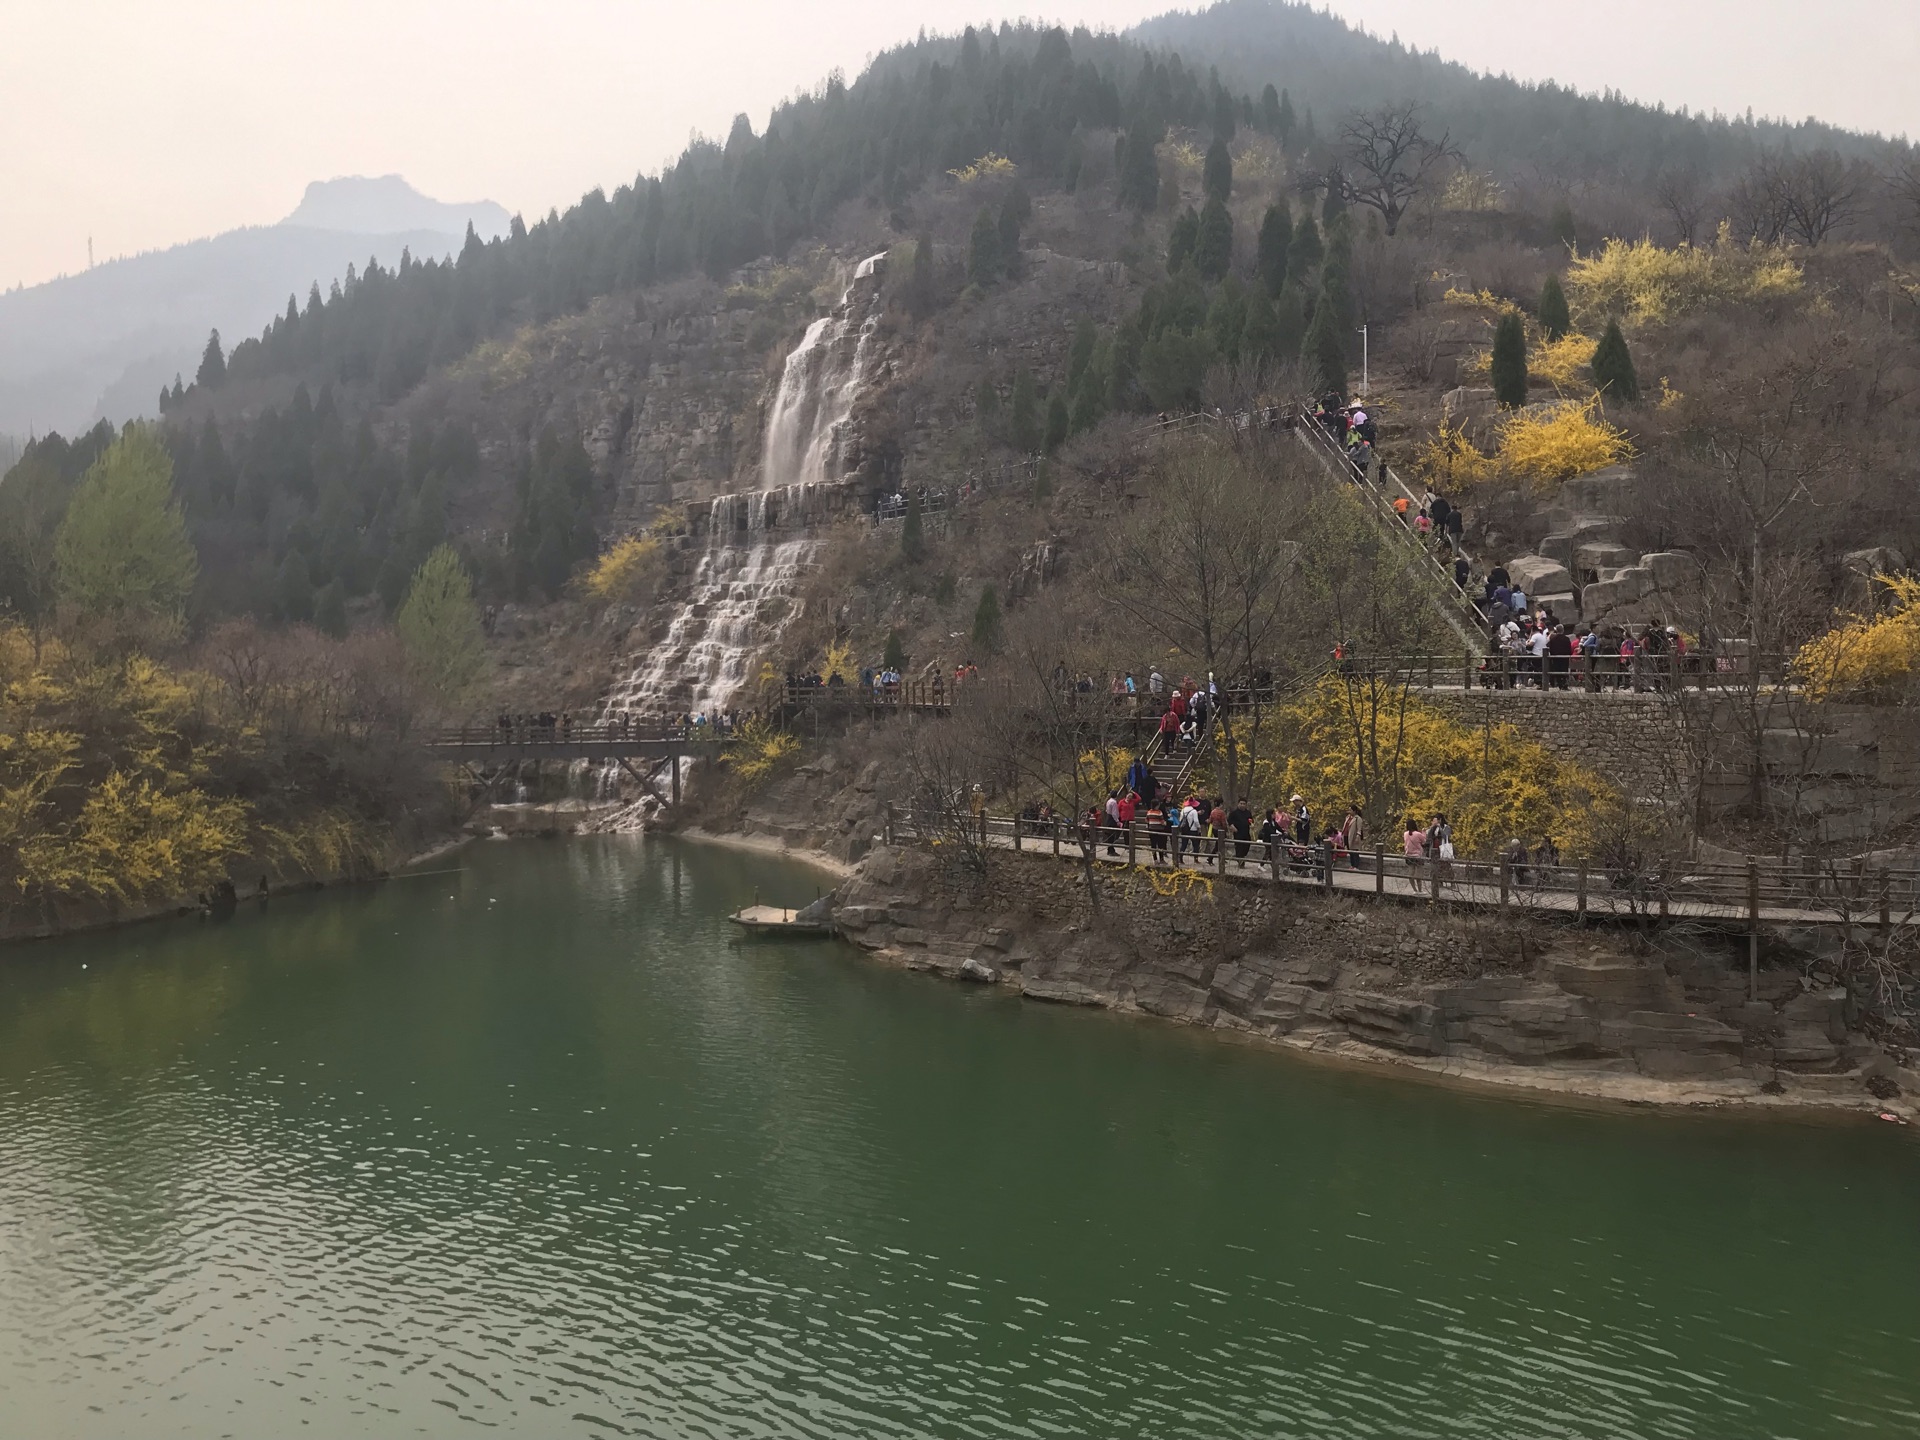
1208, 568
1391, 160
1682, 192
1904, 182
1803, 197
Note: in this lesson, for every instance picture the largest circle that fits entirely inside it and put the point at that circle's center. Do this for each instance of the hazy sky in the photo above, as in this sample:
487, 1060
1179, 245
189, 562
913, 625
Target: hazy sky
143, 123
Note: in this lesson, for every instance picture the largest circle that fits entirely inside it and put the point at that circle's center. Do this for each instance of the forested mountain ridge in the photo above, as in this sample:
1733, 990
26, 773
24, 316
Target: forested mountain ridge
321, 460
103, 342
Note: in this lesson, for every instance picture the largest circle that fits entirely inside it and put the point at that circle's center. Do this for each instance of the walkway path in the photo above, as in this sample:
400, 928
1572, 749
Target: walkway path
1769, 895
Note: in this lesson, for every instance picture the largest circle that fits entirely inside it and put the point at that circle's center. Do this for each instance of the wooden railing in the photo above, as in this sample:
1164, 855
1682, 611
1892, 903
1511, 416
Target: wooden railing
1846, 892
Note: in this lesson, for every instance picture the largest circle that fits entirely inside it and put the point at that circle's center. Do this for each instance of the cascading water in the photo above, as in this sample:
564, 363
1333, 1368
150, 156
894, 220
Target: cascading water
757, 545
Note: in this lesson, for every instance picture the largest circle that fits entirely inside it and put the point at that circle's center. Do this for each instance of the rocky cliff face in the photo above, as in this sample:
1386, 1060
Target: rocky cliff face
1518, 1002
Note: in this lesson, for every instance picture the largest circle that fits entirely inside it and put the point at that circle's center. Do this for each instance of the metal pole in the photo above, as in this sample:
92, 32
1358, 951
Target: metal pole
1366, 362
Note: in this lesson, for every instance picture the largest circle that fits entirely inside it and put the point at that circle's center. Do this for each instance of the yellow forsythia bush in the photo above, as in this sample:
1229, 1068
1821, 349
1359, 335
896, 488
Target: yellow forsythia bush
1867, 656
1396, 755
1537, 447
1643, 283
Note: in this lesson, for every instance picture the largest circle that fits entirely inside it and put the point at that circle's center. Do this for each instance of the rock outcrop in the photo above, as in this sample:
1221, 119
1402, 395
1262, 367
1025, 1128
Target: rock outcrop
1520, 1002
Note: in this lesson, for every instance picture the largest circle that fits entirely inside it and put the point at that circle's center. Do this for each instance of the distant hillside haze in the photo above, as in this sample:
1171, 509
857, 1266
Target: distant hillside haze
100, 344
388, 205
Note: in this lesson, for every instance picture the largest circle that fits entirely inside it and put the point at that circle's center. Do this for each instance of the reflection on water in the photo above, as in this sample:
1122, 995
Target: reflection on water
538, 1146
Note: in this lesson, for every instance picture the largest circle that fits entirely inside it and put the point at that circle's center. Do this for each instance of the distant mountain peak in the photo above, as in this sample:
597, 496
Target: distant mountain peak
388, 205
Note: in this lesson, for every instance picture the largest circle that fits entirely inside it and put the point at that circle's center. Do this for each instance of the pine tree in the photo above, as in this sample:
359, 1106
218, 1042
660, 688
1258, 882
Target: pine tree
894, 657
1284, 125
1059, 421
1510, 360
1323, 354
1181, 239
1290, 321
1023, 428
1260, 331
295, 586
439, 627
986, 622
913, 533
1613, 372
1217, 178
1276, 234
986, 408
1139, 168
330, 609
213, 365
1335, 205
1305, 252
1213, 245
1555, 319
1562, 225
1270, 110
1013, 215
1080, 353
122, 550
983, 253
921, 296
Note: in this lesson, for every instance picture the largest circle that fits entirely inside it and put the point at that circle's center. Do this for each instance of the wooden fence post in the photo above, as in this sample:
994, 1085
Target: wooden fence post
1506, 880
1273, 860
1133, 844
1016, 830
1220, 856
1753, 928
1580, 895
1379, 869
1326, 866
1056, 837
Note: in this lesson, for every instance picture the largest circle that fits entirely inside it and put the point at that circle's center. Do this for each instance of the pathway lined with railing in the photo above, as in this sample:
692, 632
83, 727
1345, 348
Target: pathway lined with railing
1760, 894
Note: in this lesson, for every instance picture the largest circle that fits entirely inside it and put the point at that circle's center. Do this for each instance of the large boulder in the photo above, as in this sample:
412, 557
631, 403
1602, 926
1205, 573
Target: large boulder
1596, 556
1672, 569
1540, 575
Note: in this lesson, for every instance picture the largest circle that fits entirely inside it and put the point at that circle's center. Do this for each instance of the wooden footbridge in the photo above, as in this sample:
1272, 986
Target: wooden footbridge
487, 752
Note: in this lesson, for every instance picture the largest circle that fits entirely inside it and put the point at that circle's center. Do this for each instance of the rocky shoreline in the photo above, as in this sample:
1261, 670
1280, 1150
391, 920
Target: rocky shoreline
1539, 1006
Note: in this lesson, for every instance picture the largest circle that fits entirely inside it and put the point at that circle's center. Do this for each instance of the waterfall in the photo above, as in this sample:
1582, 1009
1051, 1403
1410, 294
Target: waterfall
757, 546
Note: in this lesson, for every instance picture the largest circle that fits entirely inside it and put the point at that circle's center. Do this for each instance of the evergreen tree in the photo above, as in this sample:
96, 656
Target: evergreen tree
1217, 178
1213, 244
894, 657
986, 622
1013, 215
921, 295
1323, 353
122, 550
1613, 372
1305, 251
553, 532
1284, 125
986, 408
1270, 110
1276, 234
1562, 225
1042, 481
1059, 421
1138, 166
330, 609
1555, 319
1260, 331
1023, 428
1290, 321
913, 535
1181, 238
1510, 360
1335, 205
983, 253
439, 627
1080, 353
213, 365
295, 586
1226, 317
1173, 365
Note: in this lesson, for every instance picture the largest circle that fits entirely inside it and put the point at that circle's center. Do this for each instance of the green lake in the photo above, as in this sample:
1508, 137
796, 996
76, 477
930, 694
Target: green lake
536, 1147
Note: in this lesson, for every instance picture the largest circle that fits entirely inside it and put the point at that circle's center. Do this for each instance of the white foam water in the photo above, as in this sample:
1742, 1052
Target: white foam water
758, 547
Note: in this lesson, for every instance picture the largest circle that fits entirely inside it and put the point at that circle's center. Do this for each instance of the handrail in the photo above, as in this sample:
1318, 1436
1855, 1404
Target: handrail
1459, 612
1839, 891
